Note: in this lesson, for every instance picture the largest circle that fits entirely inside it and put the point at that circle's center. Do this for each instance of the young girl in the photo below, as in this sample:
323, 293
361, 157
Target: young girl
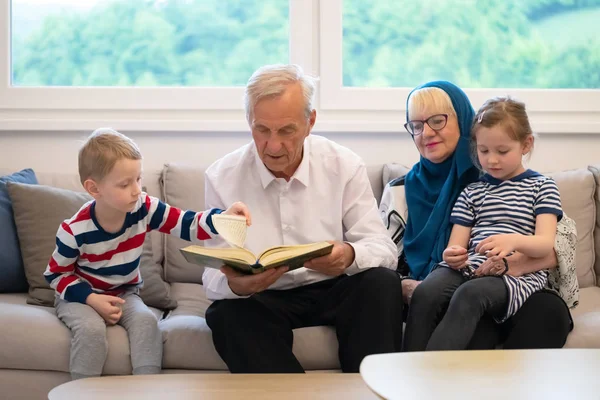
510, 209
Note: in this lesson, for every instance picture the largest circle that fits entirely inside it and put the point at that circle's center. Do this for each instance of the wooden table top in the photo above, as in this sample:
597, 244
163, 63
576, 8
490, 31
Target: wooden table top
217, 386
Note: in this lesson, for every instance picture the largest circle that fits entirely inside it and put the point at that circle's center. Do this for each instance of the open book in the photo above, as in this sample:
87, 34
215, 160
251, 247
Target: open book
246, 262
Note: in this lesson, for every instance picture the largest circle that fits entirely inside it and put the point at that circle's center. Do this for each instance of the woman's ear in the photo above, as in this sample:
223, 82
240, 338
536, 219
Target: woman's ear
92, 188
528, 144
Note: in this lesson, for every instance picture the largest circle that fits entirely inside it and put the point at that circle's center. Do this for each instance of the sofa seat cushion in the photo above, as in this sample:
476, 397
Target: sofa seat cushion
188, 339
586, 320
33, 338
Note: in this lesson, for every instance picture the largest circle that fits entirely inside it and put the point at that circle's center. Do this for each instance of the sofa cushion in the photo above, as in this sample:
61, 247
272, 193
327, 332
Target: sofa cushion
586, 320
577, 188
595, 169
183, 187
37, 234
33, 338
11, 264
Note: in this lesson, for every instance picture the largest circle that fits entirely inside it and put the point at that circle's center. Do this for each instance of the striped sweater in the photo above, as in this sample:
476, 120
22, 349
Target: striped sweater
88, 259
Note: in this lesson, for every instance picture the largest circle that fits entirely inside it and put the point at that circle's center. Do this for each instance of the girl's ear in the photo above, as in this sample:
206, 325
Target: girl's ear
528, 144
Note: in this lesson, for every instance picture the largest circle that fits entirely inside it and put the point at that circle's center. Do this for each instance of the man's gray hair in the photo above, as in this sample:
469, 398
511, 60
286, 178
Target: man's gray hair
272, 80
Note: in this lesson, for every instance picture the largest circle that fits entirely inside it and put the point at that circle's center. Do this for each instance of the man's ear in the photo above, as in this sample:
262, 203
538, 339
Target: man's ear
92, 188
312, 119
528, 144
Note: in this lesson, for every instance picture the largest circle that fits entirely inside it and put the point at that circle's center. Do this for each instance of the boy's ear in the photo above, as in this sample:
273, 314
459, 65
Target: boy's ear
92, 188
528, 144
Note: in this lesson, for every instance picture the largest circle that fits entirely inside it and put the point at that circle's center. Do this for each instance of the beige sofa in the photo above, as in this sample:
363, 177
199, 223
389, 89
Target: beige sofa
34, 350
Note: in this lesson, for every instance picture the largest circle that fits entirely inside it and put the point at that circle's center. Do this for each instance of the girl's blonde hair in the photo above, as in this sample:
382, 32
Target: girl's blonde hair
505, 111
101, 151
429, 98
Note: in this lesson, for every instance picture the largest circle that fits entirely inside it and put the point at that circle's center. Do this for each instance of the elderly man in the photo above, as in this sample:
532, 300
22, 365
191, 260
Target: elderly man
300, 188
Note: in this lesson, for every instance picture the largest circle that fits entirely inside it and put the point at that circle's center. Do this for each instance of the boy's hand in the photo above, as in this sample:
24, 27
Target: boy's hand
455, 256
498, 245
239, 208
109, 307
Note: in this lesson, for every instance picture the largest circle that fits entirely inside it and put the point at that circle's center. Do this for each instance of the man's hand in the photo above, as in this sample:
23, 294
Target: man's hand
108, 307
334, 263
498, 245
239, 208
455, 256
246, 285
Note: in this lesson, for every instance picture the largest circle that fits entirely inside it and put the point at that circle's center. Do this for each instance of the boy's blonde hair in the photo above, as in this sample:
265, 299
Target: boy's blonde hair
101, 151
429, 98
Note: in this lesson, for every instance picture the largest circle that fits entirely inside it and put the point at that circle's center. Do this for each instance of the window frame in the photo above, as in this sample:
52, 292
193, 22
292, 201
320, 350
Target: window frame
315, 43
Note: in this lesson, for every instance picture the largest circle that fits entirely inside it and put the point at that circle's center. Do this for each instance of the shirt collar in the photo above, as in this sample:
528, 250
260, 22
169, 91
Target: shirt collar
301, 174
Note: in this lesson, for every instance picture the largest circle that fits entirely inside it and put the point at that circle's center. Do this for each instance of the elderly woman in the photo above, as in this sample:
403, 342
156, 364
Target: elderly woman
439, 118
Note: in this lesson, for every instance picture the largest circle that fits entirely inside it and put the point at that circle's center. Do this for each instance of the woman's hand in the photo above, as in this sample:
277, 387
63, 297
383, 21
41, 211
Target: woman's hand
498, 245
239, 208
455, 256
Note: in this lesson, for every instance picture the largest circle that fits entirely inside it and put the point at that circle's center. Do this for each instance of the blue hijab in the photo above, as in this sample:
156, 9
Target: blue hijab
432, 189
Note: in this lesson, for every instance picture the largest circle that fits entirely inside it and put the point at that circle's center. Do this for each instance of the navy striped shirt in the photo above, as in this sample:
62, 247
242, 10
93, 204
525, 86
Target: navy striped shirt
491, 207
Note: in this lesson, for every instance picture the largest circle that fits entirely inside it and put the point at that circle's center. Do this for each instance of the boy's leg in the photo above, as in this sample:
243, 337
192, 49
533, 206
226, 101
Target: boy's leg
428, 305
366, 310
145, 339
471, 300
89, 346
254, 334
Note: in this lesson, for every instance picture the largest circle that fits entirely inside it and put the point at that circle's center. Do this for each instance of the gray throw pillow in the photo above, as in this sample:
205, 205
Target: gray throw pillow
38, 211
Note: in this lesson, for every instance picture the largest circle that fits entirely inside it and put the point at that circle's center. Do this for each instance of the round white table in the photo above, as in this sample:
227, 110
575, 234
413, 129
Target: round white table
562, 374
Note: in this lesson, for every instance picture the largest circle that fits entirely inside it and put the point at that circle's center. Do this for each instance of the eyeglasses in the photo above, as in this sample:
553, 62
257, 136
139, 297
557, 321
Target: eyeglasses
435, 122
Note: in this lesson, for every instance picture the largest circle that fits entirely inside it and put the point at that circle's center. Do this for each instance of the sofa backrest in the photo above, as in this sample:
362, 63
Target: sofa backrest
183, 186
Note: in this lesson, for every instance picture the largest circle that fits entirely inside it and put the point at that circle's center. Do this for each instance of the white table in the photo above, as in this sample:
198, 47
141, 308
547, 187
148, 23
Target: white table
563, 374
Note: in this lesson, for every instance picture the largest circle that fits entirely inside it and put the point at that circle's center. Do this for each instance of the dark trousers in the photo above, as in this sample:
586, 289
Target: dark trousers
446, 309
254, 335
543, 322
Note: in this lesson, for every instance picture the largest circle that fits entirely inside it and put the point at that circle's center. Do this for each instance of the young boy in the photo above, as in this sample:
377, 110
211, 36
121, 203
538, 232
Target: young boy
95, 266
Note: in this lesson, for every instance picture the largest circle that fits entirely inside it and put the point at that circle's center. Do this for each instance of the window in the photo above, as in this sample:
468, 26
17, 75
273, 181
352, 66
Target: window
147, 43
543, 52
167, 65
475, 44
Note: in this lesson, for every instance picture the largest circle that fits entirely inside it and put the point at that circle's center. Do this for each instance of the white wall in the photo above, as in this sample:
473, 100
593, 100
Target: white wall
57, 152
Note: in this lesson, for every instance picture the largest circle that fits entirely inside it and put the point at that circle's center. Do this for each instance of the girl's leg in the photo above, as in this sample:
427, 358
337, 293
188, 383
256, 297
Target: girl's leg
469, 303
428, 304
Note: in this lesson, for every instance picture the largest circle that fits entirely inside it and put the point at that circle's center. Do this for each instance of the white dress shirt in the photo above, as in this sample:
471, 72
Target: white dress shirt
329, 197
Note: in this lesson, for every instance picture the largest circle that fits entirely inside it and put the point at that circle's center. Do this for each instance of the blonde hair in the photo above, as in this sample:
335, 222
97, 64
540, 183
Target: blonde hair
101, 151
272, 80
505, 111
429, 98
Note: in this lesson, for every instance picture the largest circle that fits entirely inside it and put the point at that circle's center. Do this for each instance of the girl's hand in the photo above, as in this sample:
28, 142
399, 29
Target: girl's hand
498, 245
408, 288
239, 208
455, 256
